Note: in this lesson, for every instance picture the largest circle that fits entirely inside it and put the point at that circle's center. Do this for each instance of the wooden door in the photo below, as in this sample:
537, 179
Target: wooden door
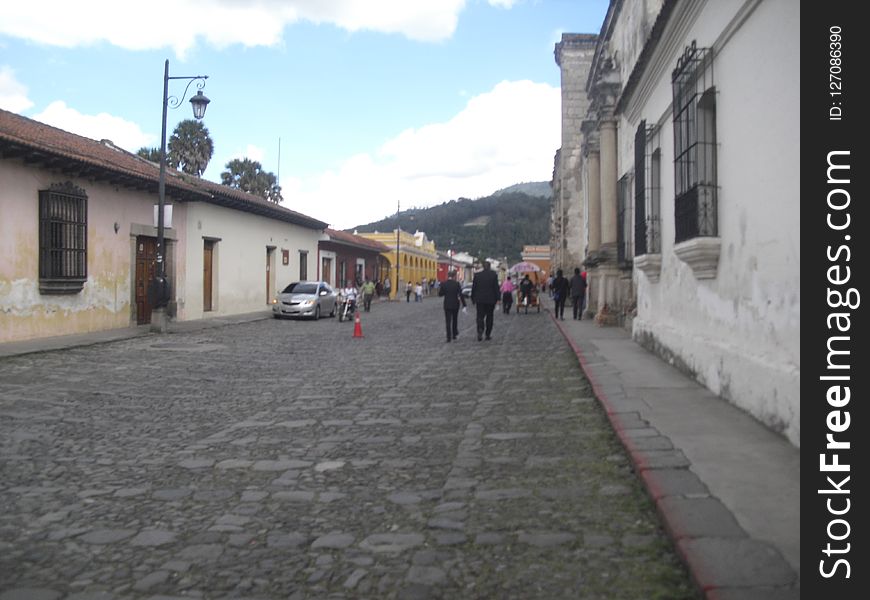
326, 271
146, 269
270, 255
207, 277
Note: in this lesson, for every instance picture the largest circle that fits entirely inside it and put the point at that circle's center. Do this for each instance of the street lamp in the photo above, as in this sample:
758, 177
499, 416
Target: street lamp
159, 285
451, 255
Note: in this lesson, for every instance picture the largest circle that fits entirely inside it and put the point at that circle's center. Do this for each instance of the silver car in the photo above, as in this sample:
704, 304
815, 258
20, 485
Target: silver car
305, 299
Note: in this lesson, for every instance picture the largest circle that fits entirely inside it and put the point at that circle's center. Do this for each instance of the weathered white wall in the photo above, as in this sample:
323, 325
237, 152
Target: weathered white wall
105, 300
739, 334
574, 54
239, 283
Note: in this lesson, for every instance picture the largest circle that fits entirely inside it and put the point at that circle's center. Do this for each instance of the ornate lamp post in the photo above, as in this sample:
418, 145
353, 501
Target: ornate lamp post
159, 288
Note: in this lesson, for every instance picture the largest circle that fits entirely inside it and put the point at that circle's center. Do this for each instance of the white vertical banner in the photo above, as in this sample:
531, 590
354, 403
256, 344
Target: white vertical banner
167, 215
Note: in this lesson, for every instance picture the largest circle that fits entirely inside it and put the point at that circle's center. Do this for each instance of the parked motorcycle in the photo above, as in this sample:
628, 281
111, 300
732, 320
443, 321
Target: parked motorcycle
346, 308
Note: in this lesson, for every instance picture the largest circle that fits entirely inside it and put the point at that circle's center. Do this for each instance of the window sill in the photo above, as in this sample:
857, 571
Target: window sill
61, 286
650, 264
701, 254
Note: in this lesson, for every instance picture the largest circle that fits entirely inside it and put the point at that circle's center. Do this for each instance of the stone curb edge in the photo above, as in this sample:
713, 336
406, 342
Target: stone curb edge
702, 530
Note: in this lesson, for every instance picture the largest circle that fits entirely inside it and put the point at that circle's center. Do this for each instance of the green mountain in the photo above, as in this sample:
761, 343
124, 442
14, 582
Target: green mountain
532, 188
496, 226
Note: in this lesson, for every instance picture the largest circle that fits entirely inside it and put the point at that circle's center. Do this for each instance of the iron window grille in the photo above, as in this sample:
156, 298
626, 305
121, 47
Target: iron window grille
63, 239
695, 179
647, 190
624, 224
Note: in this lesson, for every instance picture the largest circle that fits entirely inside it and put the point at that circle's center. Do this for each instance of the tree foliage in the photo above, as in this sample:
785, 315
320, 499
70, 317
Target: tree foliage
152, 154
190, 148
248, 175
497, 226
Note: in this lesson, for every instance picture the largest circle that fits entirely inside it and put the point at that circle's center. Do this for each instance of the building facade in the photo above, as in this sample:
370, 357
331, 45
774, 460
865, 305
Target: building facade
540, 255
691, 160
79, 234
416, 255
574, 55
348, 258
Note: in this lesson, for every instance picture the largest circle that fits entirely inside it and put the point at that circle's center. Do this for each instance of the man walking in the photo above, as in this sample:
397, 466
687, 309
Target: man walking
368, 292
452, 292
559, 290
578, 293
484, 295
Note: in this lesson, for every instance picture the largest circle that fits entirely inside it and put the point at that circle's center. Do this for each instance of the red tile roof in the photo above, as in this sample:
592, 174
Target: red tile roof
21, 137
355, 240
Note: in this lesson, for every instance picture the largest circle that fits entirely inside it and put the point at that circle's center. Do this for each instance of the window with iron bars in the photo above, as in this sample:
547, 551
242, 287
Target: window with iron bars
647, 190
694, 108
624, 224
63, 239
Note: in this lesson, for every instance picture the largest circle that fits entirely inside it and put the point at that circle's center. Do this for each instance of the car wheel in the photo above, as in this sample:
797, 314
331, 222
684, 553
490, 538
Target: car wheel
317, 312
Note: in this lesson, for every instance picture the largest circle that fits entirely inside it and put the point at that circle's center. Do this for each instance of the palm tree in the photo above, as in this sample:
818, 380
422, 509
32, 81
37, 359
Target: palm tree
190, 147
152, 154
248, 175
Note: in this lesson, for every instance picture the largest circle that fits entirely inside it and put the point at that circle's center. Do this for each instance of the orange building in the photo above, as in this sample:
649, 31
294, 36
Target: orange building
539, 255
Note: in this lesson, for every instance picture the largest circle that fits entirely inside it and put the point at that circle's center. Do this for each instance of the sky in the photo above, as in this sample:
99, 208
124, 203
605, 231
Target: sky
359, 107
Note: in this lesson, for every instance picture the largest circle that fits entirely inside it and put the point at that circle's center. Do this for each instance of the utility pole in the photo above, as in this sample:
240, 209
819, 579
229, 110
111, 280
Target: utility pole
398, 209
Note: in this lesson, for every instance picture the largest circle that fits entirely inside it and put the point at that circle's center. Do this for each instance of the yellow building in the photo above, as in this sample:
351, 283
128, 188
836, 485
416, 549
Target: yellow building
417, 259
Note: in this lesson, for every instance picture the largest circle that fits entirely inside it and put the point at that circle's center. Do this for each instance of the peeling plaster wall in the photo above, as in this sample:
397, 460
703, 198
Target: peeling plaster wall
738, 334
574, 57
105, 300
239, 263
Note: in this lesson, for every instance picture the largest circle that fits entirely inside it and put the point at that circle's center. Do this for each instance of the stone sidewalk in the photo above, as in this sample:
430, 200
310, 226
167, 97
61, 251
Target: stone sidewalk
727, 488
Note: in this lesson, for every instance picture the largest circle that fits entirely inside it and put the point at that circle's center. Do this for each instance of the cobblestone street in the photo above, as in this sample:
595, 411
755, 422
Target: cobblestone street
287, 459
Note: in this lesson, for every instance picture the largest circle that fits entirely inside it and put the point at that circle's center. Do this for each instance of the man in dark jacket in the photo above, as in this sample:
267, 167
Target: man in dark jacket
484, 295
452, 292
578, 293
560, 288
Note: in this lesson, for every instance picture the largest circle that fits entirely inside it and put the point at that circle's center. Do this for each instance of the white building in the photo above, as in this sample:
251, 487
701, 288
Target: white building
691, 159
79, 239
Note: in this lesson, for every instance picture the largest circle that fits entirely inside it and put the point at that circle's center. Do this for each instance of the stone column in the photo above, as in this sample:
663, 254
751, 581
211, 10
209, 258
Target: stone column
608, 187
608, 271
593, 191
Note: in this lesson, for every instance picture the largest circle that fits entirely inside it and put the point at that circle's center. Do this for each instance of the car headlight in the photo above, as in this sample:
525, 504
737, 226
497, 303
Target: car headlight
274, 301
307, 302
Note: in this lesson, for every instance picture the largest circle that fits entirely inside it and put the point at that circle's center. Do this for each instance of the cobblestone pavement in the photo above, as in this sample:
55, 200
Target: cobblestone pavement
288, 459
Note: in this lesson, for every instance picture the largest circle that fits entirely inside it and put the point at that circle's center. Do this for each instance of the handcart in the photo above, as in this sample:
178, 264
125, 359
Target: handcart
527, 301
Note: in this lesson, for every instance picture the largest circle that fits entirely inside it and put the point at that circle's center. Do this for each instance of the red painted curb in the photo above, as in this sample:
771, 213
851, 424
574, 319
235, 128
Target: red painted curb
696, 571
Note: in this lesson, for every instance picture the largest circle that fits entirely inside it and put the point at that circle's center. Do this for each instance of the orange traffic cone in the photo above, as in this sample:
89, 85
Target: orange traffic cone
357, 328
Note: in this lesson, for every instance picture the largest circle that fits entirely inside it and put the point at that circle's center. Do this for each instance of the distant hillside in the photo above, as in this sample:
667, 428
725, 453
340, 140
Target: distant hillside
496, 226
532, 188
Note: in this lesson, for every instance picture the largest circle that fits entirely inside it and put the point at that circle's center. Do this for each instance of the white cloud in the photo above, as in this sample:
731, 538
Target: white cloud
13, 95
122, 133
180, 23
505, 136
502, 3
254, 153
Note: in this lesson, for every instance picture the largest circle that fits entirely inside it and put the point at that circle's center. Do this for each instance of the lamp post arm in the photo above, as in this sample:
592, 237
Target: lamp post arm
161, 185
175, 102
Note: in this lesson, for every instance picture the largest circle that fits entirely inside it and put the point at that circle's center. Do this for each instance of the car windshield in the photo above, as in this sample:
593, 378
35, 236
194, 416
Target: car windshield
300, 287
